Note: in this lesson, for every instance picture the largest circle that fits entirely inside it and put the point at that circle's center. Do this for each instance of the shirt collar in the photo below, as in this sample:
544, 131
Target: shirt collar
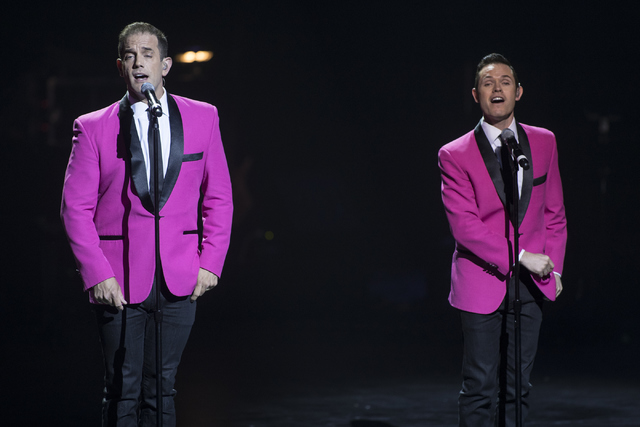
493, 133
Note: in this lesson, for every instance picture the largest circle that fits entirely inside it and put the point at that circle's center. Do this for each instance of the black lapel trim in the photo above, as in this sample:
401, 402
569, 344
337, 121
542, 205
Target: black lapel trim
176, 150
527, 178
138, 169
490, 161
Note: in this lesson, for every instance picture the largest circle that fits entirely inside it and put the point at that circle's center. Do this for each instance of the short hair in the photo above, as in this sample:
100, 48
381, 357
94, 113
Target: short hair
141, 28
494, 58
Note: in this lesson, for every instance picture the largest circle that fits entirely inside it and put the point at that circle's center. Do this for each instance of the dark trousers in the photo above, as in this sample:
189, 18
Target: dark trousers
487, 398
128, 346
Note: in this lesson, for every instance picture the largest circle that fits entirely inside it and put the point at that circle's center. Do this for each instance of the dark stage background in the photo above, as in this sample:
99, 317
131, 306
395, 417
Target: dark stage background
331, 114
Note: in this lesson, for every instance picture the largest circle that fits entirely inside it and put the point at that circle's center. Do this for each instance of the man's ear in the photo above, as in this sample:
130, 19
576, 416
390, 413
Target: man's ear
519, 93
167, 62
119, 65
475, 94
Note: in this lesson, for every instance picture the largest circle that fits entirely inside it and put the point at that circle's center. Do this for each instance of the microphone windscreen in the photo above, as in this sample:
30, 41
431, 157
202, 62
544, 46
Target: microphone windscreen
147, 86
506, 134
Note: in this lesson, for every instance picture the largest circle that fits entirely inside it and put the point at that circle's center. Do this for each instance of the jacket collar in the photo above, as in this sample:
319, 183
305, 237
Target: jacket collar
493, 167
137, 166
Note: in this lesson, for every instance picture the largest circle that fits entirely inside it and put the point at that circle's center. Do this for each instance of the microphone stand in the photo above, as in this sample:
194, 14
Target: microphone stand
158, 273
517, 304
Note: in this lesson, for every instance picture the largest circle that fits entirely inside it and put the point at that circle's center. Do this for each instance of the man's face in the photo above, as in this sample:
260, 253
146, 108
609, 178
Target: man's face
497, 94
141, 63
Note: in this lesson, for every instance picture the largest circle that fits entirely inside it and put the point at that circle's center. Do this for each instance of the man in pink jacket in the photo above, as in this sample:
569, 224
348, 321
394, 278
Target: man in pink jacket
108, 213
477, 202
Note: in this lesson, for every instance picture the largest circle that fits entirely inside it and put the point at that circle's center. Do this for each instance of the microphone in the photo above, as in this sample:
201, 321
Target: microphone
154, 104
508, 138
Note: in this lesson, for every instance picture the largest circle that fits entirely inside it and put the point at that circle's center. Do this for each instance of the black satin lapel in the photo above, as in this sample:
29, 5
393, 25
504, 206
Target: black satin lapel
138, 169
176, 150
490, 161
124, 136
527, 178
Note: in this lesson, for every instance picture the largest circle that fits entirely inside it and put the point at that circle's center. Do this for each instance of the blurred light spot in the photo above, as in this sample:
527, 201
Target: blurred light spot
191, 56
269, 235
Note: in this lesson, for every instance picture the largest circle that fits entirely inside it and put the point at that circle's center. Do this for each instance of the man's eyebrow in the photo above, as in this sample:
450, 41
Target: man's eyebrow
132, 50
487, 76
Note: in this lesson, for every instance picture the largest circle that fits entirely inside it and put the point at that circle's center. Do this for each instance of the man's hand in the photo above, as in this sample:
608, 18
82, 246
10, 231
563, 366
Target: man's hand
206, 281
109, 292
558, 286
537, 263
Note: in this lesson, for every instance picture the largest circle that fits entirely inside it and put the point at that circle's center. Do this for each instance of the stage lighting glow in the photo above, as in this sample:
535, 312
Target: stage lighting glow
191, 56
203, 55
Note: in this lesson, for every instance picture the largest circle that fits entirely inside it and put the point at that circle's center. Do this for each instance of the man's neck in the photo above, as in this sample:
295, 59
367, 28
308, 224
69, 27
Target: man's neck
499, 124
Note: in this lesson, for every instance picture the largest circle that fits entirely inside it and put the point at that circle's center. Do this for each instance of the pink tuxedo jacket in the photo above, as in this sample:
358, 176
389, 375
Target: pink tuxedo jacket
473, 197
107, 210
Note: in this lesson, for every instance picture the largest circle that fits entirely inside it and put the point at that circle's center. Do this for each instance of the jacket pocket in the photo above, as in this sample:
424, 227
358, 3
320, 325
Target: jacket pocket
539, 180
192, 157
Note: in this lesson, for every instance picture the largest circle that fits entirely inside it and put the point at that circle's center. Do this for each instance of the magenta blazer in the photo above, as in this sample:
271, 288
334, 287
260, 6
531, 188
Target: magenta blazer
107, 210
472, 193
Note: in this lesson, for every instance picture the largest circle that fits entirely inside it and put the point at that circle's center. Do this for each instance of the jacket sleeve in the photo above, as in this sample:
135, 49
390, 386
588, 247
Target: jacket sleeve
554, 214
469, 230
217, 203
79, 200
